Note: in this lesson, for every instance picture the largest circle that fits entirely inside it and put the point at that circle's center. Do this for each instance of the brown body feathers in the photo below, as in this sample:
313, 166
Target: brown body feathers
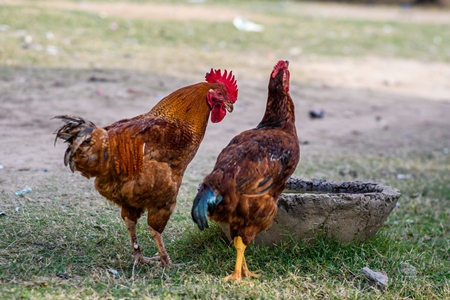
251, 172
139, 163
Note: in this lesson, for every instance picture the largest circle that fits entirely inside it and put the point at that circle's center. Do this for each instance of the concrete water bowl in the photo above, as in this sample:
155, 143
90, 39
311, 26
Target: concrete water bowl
346, 212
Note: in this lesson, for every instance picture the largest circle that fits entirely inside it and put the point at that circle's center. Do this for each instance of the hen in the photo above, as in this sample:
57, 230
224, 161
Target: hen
251, 172
139, 163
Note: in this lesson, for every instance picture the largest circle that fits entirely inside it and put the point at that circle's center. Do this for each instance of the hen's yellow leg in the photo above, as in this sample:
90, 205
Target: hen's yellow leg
240, 248
241, 266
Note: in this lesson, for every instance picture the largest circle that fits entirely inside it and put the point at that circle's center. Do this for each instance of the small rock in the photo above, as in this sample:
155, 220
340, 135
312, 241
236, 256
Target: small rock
113, 271
378, 279
316, 114
63, 275
408, 270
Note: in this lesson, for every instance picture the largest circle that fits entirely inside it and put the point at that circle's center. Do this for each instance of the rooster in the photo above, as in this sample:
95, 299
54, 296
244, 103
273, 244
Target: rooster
139, 163
251, 172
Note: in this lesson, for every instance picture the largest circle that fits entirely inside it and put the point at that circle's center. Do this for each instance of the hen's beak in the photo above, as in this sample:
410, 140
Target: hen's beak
228, 106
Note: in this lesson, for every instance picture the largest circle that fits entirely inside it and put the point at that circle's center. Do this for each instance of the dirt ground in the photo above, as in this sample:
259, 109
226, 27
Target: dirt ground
370, 104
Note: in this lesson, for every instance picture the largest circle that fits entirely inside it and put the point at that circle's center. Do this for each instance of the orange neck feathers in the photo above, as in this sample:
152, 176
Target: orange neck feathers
187, 104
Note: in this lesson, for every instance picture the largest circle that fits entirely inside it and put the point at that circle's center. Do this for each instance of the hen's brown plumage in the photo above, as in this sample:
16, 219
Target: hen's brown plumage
139, 163
251, 172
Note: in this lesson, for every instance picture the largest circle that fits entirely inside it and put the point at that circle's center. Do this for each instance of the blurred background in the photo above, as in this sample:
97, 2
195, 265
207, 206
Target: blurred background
359, 70
185, 37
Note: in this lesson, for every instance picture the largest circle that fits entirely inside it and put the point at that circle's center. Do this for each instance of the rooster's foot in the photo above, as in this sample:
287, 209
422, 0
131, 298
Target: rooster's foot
140, 259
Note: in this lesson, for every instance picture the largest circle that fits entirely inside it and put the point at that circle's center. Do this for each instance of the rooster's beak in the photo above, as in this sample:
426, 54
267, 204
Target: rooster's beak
228, 106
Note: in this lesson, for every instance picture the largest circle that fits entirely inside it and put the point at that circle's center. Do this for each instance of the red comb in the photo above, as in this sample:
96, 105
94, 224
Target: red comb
281, 64
215, 76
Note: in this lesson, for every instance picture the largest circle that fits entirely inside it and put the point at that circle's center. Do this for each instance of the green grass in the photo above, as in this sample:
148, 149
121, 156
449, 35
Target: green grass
81, 235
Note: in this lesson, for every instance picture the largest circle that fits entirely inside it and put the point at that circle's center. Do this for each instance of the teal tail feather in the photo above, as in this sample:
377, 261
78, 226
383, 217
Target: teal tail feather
205, 202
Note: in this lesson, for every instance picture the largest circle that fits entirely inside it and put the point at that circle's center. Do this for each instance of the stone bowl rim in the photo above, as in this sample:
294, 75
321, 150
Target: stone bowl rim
377, 188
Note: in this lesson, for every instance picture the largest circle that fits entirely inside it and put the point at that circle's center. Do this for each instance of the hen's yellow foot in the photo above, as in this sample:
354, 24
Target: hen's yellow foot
248, 273
241, 265
238, 276
235, 276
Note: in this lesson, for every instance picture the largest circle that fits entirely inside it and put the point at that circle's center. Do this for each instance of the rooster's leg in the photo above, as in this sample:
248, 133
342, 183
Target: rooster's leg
130, 216
137, 255
163, 256
241, 266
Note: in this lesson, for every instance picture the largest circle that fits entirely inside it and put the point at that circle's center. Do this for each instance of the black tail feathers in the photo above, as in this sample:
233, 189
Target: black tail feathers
205, 202
74, 131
